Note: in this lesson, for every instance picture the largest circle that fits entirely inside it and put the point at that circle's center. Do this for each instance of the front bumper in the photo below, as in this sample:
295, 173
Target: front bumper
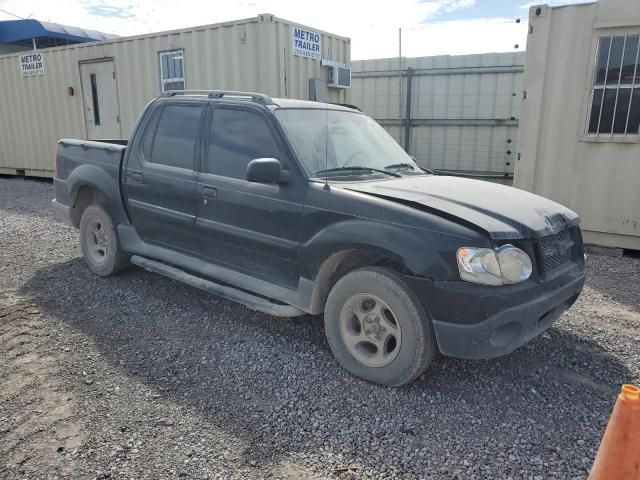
492, 321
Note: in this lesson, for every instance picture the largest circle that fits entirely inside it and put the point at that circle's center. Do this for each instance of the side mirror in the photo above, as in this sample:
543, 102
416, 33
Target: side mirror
265, 170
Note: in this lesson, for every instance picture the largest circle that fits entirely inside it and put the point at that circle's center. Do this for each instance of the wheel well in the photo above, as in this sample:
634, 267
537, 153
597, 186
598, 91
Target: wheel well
341, 263
87, 195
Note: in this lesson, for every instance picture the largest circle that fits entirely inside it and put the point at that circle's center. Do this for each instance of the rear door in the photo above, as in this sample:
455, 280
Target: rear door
251, 227
100, 98
160, 177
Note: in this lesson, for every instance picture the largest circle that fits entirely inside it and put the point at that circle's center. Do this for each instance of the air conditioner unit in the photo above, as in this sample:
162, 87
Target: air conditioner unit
339, 77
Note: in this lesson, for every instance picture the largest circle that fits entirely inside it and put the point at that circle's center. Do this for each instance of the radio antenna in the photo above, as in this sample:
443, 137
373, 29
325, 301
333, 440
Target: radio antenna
14, 15
326, 150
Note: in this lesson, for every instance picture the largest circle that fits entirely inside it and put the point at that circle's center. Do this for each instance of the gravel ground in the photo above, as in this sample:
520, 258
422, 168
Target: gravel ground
138, 376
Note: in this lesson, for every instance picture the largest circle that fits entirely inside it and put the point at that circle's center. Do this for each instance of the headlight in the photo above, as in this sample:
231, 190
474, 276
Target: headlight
479, 265
505, 265
515, 264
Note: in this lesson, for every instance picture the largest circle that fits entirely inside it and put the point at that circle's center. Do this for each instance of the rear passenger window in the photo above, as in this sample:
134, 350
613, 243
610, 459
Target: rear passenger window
237, 137
174, 143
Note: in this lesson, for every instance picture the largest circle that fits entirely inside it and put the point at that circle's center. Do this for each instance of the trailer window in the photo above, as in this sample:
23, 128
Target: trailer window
172, 70
94, 98
615, 95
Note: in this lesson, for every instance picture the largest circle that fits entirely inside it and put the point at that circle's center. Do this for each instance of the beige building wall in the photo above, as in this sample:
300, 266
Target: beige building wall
598, 177
253, 55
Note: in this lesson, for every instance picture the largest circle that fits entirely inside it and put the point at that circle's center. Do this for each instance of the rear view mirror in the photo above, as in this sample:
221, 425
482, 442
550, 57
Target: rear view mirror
265, 170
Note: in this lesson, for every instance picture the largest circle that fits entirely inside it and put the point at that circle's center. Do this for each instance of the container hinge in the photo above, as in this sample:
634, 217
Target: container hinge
118, 118
114, 75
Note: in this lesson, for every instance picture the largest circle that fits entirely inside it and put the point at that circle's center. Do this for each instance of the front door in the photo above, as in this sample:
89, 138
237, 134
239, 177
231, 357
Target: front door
100, 97
250, 227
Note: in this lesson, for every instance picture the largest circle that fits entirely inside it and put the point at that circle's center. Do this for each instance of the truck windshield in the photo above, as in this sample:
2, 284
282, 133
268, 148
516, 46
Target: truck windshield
328, 142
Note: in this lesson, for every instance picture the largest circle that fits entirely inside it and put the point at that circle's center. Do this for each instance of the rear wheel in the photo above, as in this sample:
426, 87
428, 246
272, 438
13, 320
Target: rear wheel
99, 242
377, 328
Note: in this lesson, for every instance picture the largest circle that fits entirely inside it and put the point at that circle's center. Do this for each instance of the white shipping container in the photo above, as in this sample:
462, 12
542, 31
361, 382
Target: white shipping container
596, 173
253, 54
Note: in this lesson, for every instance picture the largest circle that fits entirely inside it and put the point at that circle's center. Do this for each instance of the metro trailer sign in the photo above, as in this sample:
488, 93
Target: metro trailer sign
32, 64
306, 43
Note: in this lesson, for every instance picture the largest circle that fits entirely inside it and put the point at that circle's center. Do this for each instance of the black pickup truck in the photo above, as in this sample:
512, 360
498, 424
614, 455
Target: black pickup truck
293, 207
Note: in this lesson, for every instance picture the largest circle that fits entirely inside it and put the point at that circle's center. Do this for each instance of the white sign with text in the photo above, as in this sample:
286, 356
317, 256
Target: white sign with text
32, 64
306, 43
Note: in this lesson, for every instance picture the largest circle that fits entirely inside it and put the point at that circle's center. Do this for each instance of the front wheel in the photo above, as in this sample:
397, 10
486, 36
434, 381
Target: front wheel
377, 328
99, 242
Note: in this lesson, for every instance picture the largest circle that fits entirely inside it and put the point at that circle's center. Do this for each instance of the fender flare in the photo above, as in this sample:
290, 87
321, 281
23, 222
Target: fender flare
409, 246
104, 184
406, 246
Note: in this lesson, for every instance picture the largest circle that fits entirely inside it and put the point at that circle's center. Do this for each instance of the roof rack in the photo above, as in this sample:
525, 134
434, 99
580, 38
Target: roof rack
253, 97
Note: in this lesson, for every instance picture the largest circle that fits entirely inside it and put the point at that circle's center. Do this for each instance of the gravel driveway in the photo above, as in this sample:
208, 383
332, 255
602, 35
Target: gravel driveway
138, 376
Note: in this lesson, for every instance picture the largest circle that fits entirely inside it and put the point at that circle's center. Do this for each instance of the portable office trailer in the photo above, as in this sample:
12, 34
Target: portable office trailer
463, 113
580, 126
97, 90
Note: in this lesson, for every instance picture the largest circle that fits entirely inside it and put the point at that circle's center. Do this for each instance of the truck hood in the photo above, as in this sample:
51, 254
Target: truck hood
503, 212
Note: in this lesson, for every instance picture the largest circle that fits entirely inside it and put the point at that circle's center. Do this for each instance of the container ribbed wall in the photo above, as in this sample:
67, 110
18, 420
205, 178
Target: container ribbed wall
253, 54
464, 109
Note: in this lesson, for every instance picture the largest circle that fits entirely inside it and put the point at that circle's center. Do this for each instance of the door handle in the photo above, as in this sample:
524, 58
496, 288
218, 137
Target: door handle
207, 193
136, 177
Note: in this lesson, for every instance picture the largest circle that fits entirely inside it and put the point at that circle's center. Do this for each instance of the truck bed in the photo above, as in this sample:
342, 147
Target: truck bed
88, 164
106, 154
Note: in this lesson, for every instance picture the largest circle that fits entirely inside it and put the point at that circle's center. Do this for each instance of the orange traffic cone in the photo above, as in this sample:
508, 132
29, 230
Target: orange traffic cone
618, 457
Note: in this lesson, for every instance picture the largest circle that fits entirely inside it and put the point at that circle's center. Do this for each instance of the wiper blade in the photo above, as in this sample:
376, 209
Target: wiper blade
357, 167
412, 165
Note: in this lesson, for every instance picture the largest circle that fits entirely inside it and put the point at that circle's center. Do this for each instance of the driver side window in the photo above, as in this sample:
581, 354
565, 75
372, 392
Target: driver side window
237, 137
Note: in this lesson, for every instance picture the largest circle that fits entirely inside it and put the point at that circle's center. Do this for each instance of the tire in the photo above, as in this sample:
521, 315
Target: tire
355, 326
100, 244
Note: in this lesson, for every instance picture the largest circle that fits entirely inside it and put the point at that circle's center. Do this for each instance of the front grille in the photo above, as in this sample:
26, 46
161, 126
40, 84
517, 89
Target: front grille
554, 250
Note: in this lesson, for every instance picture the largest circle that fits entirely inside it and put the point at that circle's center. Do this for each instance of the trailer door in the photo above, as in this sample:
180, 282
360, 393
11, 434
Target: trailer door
100, 97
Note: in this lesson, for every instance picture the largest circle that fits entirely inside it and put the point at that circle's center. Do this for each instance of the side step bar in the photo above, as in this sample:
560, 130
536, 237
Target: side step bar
251, 301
